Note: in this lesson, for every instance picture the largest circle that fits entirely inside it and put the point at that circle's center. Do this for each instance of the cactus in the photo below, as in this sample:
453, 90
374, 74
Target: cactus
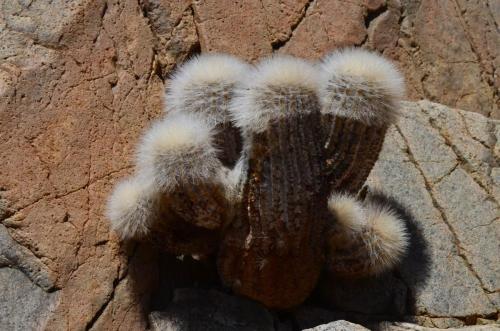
262, 168
368, 238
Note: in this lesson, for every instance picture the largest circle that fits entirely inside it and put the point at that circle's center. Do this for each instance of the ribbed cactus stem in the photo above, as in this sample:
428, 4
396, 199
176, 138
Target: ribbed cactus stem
180, 235
360, 94
274, 251
352, 148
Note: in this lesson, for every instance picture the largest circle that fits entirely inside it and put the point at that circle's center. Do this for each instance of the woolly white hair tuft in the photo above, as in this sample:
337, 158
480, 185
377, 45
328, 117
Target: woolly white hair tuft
384, 233
190, 82
277, 77
233, 179
348, 211
362, 85
178, 150
133, 207
389, 237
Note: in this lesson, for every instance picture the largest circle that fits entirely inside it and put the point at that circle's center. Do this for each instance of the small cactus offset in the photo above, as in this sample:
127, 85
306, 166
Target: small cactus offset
263, 167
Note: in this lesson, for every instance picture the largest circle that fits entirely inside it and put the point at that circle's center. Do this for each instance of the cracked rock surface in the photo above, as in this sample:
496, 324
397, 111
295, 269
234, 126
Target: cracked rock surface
442, 165
80, 80
448, 49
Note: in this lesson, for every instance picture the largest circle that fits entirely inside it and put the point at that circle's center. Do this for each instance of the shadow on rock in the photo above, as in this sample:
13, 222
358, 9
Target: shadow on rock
181, 272
182, 290
153, 277
388, 297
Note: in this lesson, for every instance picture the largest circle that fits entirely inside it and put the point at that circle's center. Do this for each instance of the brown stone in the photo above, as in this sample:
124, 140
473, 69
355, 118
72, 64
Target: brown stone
77, 89
232, 27
328, 25
78, 85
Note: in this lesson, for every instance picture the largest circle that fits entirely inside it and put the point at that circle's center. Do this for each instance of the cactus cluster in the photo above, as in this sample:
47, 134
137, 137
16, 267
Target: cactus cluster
263, 166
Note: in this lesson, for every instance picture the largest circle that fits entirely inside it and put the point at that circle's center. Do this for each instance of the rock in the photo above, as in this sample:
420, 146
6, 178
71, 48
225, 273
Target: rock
453, 203
408, 326
442, 172
14, 255
464, 189
193, 309
321, 33
174, 29
383, 31
442, 75
233, 27
4, 209
448, 49
438, 322
70, 83
306, 316
24, 305
338, 326
78, 86
398, 326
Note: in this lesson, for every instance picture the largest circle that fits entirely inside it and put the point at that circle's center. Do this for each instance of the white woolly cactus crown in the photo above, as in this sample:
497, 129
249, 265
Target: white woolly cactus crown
132, 207
362, 85
276, 77
178, 150
216, 72
207, 69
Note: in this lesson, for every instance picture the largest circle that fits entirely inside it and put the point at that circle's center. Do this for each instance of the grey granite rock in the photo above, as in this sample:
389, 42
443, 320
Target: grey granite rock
338, 326
414, 327
443, 166
440, 164
24, 305
474, 217
16, 256
193, 309
26, 287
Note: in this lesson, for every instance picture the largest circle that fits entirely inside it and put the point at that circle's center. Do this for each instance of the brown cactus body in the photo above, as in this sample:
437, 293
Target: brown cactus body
274, 251
352, 148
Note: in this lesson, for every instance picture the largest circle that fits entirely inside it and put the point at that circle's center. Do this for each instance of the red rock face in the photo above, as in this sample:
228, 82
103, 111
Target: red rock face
76, 91
447, 49
78, 85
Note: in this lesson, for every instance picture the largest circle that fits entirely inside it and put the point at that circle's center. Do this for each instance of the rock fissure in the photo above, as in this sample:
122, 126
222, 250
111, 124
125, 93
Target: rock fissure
442, 213
480, 60
101, 309
51, 196
484, 143
372, 14
464, 162
278, 44
448, 173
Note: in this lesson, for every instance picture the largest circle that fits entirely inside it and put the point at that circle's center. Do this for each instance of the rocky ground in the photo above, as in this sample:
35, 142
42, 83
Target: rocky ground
79, 81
